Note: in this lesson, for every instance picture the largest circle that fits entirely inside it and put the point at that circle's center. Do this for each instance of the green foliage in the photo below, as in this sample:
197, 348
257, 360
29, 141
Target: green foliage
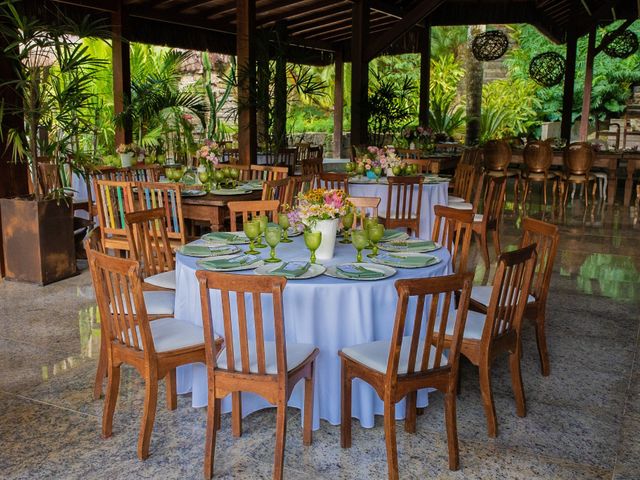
392, 106
446, 115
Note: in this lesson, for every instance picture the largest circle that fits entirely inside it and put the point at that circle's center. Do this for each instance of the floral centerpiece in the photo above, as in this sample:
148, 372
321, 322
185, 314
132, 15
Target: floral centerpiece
126, 151
419, 137
319, 210
208, 156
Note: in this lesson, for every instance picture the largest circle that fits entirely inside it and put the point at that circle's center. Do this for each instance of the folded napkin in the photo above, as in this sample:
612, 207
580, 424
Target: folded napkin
292, 269
195, 250
357, 271
390, 235
224, 237
409, 261
222, 263
402, 244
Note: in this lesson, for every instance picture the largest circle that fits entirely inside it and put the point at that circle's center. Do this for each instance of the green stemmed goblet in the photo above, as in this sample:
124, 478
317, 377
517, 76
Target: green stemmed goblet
347, 223
263, 220
360, 239
252, 230
312, 241
272, 235
376, 232
283, 221
368, 221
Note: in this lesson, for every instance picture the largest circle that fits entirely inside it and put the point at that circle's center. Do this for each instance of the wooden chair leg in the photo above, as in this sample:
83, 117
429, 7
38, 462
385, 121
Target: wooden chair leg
410, 413
213, 418
345, 423
172, 396
452, 430
236, 414
544, 192
307, 431
487, 399
516, 381
281, 433
111, 398
484, 248
496, 241
148, 416
390, 438
541, 340
101, 370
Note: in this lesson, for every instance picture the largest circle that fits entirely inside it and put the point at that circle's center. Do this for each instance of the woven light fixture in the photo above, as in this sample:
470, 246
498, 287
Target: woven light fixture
623, 45
489, 45
547, 68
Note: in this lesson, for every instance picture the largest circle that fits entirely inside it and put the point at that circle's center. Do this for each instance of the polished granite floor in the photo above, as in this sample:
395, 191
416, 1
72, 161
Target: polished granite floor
583, 421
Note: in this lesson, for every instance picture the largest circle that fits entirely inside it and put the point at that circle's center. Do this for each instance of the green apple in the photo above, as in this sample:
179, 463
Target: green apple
360, 169
234, 173
396, 170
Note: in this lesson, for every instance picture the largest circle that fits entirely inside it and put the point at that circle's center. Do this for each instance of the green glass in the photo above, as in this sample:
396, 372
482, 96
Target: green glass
347, 223
272, 235
283, 221
263, 220
359, 239
368, 221
376, 232
203, 176
312, 241
252, 231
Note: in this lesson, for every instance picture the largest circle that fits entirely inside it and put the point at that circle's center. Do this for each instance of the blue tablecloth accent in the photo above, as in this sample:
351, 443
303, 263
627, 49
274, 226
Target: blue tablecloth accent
327, 312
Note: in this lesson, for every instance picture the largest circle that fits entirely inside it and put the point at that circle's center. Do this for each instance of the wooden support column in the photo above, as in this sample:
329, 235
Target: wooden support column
569, 86
246, 26
338, 105
121, 73
425, 76
359, 73
588, 85
280, 89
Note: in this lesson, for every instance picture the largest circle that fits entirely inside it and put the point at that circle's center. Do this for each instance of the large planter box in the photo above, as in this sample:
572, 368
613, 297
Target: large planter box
38, 240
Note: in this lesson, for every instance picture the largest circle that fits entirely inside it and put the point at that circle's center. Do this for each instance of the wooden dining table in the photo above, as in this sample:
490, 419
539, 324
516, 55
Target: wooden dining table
213, 208
441, 162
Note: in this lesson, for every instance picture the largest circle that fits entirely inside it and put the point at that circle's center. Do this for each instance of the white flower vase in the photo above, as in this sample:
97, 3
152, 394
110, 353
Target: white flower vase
412, 146
125, 159
329, 229
389, 172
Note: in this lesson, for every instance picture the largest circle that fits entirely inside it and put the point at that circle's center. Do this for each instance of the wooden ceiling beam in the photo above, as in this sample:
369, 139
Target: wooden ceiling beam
323, 23
102, 5
348, 27
384, 7
296, 9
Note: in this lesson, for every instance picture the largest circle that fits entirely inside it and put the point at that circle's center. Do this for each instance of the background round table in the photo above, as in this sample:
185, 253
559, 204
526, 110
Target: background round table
327, 312
432, 194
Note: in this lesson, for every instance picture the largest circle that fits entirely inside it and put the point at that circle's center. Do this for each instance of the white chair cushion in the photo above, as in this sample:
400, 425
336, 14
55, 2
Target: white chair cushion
376, 354
157, 303
461, 205
473, 326
482, 294
393, 215
163, 280
173, 334
478, 217
454, 199
296, 354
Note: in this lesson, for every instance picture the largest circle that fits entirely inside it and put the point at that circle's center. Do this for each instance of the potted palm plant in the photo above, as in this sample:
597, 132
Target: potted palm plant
52, 79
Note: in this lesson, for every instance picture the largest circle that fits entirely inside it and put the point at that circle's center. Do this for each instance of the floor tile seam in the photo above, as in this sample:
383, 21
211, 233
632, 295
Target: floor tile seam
49, 404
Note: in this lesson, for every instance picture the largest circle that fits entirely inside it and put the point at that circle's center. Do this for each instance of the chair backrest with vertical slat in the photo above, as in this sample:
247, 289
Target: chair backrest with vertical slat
93, 240
245, 333
301, 184
334, 181
471, 156
424, 164
509, 293
148, 240
113, 199
404, 201
494, 201
464, 181
312, 166
303, 151
145, 173
453, 229
253, 208
429, 303
267, 173
230, 155
168, 197
546, 237
281, 190
120, 301
364, 206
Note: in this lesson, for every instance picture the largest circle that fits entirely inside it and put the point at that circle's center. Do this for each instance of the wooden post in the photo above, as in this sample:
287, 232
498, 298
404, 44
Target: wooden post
121, 73
246, 25
359, 73
338, 105
569, 85
280, 90
425, 76
588, 85
263, 98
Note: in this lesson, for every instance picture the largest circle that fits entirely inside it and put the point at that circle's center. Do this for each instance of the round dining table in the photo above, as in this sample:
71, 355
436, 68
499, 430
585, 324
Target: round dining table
433, 193
327, 312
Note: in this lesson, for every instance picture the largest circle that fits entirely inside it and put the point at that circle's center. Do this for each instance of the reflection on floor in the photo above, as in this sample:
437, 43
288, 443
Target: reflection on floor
583, 421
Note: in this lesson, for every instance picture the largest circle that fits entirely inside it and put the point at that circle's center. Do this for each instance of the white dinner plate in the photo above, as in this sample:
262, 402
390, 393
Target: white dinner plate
406, 246
293, 232
211, 239
249, 266
193, 193
315, 270
333, 271
383, 259
229, 191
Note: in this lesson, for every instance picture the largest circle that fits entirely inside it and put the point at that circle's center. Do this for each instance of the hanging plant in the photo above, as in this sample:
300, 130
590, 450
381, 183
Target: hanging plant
623, 45
489, 45
547, 68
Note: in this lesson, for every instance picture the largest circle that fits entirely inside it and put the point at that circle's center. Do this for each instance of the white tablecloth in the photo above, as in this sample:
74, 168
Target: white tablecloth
432, 194
327, 312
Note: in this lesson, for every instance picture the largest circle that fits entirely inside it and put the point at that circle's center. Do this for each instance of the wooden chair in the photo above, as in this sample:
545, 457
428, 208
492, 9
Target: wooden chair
486, 337
491, 216
280, 190
167, 196
453, 229
497, 157
313, 166
537, 157
245, 170
578, 159
364, 206
113, 200
230, 155
301, 184
286, 157
144, 173
546, 237
423, 164
316, 152
463, 182
303, 152
337, 181
472, 156
152, 348
253, 207
402, 210
149, 245
267, 173
398, 368
271, 372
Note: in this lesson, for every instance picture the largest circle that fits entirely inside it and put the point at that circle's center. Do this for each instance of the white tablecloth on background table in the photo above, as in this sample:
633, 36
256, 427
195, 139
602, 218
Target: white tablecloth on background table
327, 312
432, 194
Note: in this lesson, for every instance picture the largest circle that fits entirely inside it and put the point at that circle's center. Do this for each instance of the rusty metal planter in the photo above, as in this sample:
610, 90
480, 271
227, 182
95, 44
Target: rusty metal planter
38, 240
